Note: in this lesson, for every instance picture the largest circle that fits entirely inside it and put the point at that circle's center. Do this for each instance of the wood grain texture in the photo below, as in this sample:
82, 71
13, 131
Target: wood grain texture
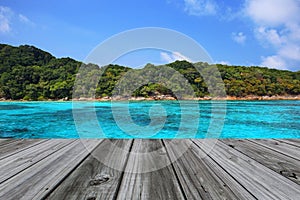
201, 177
37, 181
294, 142
16, 146
70, 169
7, 141
281, 147
261, 181
283, 165
93, 179
16, 163
143, 179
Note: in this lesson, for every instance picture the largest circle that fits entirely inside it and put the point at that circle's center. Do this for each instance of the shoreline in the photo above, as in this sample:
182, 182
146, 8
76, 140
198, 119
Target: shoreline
166, 98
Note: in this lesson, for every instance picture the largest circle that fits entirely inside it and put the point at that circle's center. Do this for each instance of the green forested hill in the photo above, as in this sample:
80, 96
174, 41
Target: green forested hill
24, 55
32, 74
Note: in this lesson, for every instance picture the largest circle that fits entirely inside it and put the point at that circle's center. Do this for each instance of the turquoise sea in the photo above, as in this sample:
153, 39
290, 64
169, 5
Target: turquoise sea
151, 119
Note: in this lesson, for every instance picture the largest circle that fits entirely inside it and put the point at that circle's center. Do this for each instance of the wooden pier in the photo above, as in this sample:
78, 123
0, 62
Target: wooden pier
232, 169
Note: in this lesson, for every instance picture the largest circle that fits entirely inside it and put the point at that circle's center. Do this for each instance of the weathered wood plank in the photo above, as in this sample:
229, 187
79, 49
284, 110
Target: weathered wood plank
6, 141
92, 179
200, 176
295, 142
36, 182
284, 148
17, 146
261, 181
65, 171
18, 162
143, 179
284, 165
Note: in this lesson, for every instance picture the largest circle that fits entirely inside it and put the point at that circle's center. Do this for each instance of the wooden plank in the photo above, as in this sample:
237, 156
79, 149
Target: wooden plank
36, 181
18, 162
284, 165
232, 170
6, 141
295, 142
284, 148
261, 181
200, 176
18, 146
143, 179
92, 179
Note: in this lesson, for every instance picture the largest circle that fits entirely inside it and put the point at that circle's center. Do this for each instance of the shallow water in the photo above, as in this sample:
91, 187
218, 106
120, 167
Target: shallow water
151, 119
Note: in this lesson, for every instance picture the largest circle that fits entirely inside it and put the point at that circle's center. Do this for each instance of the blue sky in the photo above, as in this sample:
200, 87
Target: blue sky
236, 32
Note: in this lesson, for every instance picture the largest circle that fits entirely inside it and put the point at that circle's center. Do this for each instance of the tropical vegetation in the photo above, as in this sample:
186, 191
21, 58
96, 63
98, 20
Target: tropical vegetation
29, 73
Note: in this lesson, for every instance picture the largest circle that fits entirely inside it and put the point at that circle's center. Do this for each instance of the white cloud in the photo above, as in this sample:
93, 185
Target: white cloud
273, 62
239, 37
270, 35
25, 20
290, 51
8, 17
166, 57
5, 17
294, 30
200, 7
272, 12
223, 62
171, 57
277, 26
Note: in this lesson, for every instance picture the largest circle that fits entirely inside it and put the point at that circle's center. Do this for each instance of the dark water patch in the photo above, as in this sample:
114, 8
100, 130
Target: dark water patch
42, 113
14, 133
62, 113
18, 115
20, 130
14, 107
97, 107
265, 124
291, 112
